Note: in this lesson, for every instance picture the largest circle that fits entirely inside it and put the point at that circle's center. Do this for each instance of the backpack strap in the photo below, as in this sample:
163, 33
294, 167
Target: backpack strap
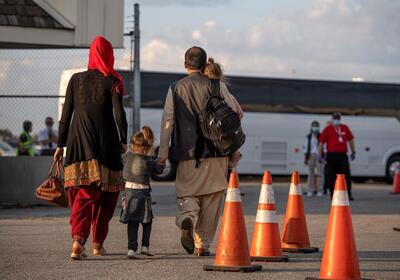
199, 149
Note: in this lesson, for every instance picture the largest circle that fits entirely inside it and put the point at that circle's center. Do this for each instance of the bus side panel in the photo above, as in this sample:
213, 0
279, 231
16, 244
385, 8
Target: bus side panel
296, 155
249, 163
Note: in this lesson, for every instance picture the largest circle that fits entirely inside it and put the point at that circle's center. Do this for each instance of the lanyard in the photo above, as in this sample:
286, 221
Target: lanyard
338, 132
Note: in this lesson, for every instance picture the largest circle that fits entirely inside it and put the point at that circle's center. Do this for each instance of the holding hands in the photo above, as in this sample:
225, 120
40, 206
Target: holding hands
161, 162
124, 148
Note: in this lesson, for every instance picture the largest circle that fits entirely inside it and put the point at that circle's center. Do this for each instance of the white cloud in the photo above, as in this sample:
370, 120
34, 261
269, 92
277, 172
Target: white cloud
335, 39
319, 8
162, 56
4, 66
26, 61
189, 3
210, 23
196, 35
153, 49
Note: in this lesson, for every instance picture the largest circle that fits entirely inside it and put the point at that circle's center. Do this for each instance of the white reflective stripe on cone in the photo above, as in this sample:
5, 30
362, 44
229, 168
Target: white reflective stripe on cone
266, 216
340, 198
233, 195
266, 195
295, 189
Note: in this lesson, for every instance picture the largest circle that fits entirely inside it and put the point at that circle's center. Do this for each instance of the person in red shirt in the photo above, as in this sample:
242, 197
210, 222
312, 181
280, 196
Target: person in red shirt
336, 136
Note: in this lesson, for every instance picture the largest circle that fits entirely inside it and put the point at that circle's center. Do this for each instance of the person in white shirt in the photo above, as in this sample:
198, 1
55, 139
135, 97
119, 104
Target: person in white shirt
315, 169
48, 138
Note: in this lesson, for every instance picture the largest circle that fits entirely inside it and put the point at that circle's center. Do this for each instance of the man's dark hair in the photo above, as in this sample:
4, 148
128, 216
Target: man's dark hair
27, 125
336, 115
195, 58
315, 123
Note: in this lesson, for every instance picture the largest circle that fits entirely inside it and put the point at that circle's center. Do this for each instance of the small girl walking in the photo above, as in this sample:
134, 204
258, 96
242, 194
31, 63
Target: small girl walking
136, 201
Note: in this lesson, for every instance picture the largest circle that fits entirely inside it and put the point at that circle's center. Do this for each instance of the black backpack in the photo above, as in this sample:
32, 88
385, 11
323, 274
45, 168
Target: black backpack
220, 125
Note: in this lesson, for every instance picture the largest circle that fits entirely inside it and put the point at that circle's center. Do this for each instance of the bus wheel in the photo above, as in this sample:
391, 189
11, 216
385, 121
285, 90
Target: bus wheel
169, 172
391, 165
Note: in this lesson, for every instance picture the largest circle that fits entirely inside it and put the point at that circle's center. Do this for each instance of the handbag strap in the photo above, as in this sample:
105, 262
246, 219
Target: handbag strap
59, 168
58, 165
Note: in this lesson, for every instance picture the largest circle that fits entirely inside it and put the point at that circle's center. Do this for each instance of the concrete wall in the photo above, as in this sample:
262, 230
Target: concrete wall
20, 176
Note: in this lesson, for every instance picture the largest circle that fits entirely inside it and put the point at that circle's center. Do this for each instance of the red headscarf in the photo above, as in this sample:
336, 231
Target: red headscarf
101, 58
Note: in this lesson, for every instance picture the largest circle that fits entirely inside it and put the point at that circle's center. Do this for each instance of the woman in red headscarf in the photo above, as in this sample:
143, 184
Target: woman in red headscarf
93, 127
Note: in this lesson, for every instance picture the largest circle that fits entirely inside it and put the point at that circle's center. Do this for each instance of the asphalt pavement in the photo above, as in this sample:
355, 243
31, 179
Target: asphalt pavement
35, 242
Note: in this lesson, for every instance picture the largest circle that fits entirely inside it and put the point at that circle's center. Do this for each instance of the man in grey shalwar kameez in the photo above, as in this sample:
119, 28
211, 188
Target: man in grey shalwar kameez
199, 187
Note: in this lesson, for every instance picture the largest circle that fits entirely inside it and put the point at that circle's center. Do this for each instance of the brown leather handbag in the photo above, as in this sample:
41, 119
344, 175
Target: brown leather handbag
52, 189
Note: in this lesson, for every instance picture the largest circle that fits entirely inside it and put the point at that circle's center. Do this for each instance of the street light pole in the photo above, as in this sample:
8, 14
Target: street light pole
136, 71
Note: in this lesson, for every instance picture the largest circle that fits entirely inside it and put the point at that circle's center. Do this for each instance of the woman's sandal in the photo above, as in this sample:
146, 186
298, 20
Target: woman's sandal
99, 250
78, 251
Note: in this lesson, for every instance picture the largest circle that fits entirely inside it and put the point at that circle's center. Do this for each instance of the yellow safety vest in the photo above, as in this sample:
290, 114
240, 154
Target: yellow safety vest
25, 147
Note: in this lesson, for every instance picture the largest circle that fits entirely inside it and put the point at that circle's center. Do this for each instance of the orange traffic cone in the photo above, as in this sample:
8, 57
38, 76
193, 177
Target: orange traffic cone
266, 243
233, 249
396, 182
295, 235
339, 260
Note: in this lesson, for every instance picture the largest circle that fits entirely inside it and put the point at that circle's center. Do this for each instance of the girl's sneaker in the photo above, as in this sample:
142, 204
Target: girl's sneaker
146, 251
131, 254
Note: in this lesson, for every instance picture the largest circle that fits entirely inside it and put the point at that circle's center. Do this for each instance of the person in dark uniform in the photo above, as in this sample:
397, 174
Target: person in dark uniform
93, 127
336, 136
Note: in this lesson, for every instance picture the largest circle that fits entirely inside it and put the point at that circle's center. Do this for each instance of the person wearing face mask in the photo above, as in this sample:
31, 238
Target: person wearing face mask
336, 136
310, 149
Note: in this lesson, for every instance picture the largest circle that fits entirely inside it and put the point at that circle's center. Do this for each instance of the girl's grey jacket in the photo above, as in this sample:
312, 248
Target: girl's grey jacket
138, 168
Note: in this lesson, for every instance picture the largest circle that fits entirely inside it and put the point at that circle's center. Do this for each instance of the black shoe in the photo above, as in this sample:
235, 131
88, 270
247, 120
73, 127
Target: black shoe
351, 198
187, 240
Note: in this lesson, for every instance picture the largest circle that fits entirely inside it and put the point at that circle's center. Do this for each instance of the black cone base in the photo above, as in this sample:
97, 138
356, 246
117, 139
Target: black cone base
283, 258
250, 268
316, 278
301, 250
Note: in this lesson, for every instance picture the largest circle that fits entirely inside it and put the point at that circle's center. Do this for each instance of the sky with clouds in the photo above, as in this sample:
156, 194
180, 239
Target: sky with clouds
323, 39
313, 39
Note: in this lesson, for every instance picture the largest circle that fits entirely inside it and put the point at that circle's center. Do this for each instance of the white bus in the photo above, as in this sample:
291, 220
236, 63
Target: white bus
278, 114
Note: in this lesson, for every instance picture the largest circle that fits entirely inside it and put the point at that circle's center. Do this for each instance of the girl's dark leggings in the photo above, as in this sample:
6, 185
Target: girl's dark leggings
133, 228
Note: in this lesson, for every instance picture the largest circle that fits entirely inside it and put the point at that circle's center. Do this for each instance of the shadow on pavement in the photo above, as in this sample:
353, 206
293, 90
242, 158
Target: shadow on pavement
379, 256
